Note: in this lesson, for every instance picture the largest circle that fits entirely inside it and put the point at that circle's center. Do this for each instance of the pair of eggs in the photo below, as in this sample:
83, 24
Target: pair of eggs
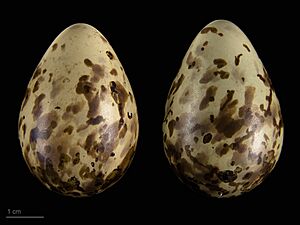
222, 131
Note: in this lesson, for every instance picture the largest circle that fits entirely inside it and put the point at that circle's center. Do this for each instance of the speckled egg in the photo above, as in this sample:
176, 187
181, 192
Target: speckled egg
223, 129
78, 124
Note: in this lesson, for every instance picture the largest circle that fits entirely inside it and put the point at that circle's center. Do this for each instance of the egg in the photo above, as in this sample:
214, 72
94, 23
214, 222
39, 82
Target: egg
223, 129
78, 123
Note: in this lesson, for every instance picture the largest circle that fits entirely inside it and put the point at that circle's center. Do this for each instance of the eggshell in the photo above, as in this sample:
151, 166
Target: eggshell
78, 124
223, 129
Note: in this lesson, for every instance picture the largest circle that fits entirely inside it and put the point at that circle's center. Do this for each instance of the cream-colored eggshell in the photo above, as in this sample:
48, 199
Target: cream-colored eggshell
78, 123
223, 129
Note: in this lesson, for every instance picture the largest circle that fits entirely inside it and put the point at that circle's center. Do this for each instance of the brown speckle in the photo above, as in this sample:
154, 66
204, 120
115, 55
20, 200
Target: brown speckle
237, 59
120, 95
246, 46
226, 100
209, 96
222, 149
54, 47
37, 109
223, 74
44, 71
196, 139
176, 85
114, 72
211, 118
171, 126
63, 46
24, 129
50, 77
220, 62
88, 63
220, 34
36, 86
226, 176
207, 29
207, 138
69, 129
129, 115
110, 55
37, 72
95, 121
261, 77
247, 175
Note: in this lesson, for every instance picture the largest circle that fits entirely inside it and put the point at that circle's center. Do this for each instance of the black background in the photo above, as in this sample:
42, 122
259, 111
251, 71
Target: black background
150, 41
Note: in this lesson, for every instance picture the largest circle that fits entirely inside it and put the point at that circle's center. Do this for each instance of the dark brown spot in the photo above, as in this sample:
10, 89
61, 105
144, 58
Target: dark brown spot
110, 55
176, 85
171, 126
63, 46
223, 74
196, 139
207, 29
76, 160
114, 72
112, 154
249, 96
129, 115
261, 77
222, 149
64, 159
88, 62
269, 100
220, 34
24, 129
209, 96
224, 122
232, 163
37, 109
44, 71
36, 86
50, 77
237, 59
95, 121
247, 175
205, 43
226, 176
120, 95
220, 62
228, 98
207, 138
245, 46
54, 47
243, 79
37, 72
211, 118
89, 142
69, 129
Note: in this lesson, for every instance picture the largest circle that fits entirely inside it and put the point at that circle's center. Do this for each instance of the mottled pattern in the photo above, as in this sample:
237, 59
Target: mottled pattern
223, 129
78, 124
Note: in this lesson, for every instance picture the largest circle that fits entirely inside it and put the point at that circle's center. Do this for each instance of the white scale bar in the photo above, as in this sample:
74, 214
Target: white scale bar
25, 217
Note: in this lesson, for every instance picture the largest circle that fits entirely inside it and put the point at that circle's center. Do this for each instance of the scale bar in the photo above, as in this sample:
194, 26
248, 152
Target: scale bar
24, 217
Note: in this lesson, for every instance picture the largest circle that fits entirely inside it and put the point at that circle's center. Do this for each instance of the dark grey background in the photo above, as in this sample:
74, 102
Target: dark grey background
150, 41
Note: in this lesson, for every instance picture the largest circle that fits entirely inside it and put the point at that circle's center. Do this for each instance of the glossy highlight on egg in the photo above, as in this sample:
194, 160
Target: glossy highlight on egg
78, 123
223, 129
